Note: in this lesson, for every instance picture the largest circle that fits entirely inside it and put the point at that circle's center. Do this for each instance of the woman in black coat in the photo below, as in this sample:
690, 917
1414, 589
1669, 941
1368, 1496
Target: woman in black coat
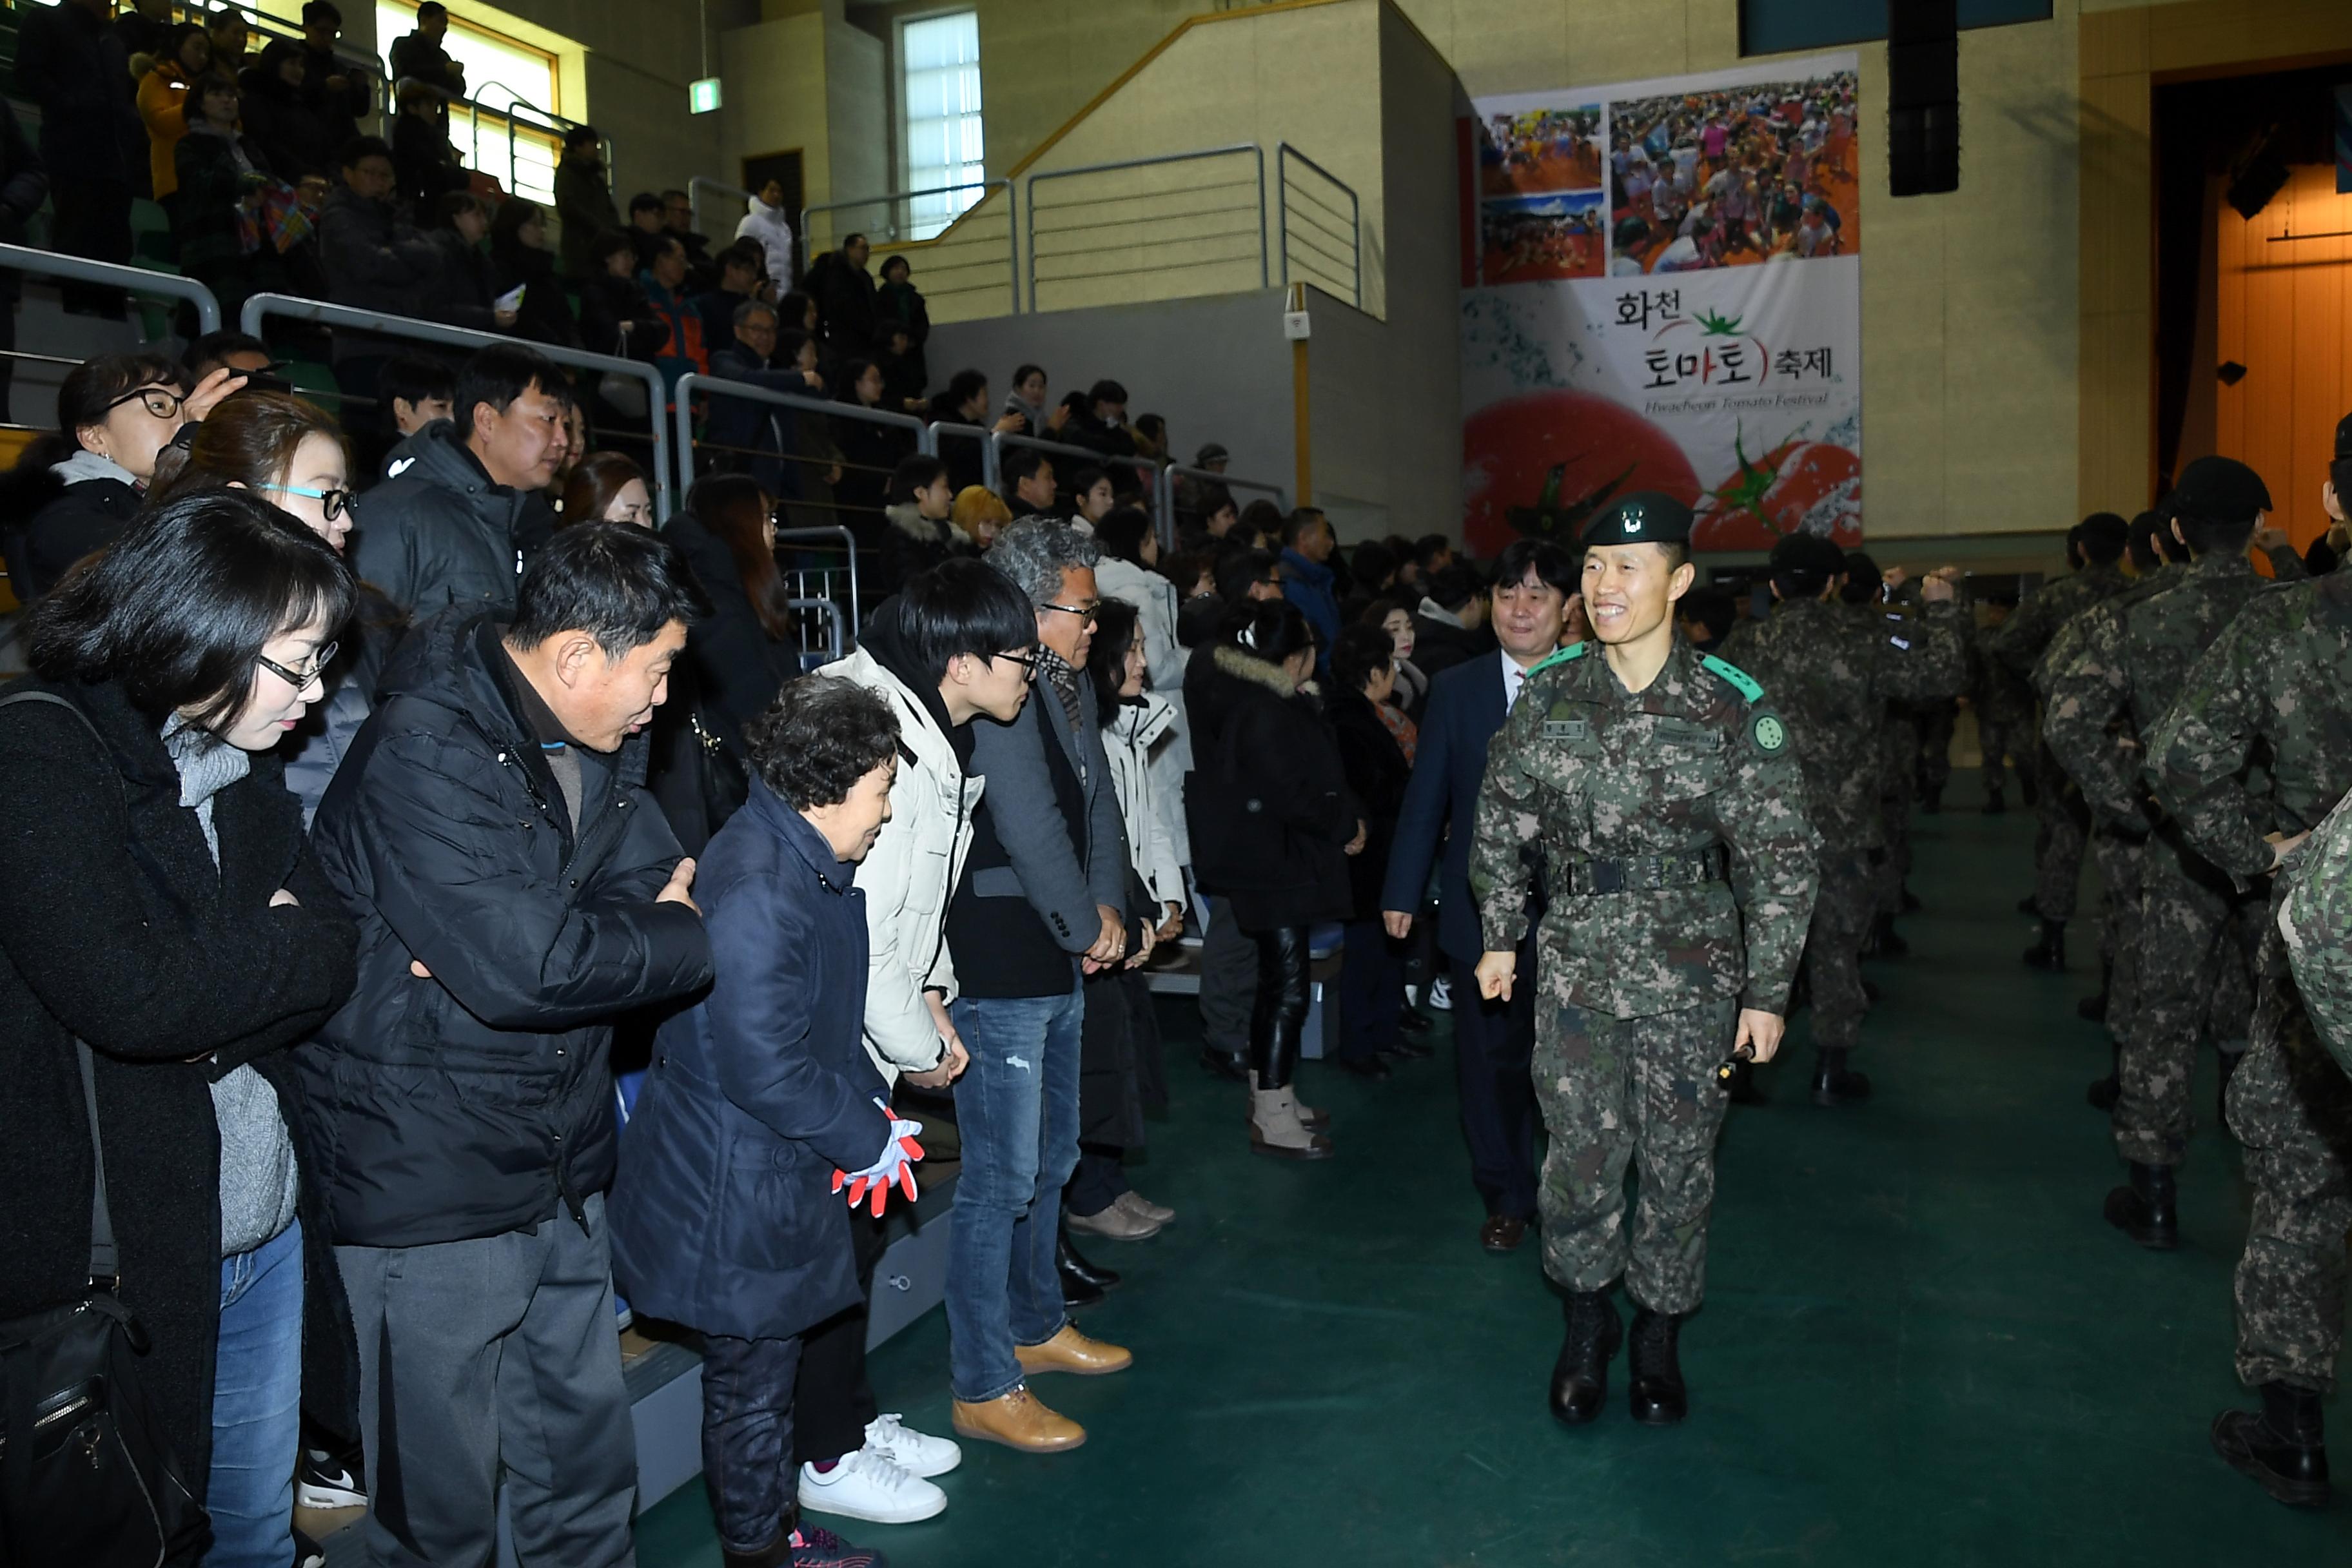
522, 257
1371, 973
870, 452
278, 114
1273, 824
191, 946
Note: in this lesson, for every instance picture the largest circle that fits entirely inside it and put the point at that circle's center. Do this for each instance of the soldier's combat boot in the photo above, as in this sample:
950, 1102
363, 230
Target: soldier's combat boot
2104, 1093
2281, 1446
2148, 1210
2094, 1009
1834, 1083
1885, 942
2050, 951
1658, 1395
1994, 804
1580, 1379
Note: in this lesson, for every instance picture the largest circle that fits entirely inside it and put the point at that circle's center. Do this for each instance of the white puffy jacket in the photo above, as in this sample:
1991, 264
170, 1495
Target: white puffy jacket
1127, 740
1154, 598
909, 876
773, 230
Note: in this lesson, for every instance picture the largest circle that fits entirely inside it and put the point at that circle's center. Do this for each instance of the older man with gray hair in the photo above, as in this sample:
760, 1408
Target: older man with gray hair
1043, 902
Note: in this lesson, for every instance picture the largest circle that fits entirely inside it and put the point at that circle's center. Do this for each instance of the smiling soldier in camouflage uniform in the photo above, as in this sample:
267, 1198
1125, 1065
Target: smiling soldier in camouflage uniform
2278, 681
1662, 799
1833, 668
2134, 657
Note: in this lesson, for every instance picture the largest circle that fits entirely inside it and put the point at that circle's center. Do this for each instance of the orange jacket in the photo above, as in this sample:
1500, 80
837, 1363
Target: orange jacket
164, 105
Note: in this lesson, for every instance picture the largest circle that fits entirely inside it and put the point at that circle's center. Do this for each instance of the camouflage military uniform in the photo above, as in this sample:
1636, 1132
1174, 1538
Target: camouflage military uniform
2279, 678
2133, 656
1830, 667
1640, 805
2063, 823
2003, 704
2314, 917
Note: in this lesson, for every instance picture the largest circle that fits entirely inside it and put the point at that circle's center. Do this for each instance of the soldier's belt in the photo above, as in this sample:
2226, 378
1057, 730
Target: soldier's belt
1642, 873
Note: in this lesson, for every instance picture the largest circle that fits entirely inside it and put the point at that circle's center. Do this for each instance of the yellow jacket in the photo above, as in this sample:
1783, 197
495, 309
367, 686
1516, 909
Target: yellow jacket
164, 105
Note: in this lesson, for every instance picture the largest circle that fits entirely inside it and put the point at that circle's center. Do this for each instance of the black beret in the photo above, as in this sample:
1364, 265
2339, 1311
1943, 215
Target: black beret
2344, 438
1645, 517
1860, 565
2221, 489
1808, 554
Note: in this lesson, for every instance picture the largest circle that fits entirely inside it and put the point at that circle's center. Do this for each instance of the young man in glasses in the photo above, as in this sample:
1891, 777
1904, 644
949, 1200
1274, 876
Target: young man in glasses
954, 650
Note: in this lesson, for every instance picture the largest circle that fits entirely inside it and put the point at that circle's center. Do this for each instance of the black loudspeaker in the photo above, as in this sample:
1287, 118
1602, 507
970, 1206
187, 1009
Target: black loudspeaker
1923, 96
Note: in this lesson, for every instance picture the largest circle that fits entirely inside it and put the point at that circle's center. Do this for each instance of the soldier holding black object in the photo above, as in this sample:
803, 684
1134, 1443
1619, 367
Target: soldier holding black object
1662, 799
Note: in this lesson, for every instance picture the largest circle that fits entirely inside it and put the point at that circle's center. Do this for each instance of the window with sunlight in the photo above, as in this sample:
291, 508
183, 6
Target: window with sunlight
518, 149
940, 85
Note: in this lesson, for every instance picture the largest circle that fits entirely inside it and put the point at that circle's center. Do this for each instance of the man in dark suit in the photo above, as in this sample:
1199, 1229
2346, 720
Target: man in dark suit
1492, 1041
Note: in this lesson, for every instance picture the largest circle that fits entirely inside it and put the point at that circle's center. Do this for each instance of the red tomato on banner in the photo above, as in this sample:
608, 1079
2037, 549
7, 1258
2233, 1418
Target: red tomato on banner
1546, 461
1809, 486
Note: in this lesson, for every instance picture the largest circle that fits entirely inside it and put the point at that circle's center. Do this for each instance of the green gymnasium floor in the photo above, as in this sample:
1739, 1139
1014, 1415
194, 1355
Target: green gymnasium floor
1921, 1344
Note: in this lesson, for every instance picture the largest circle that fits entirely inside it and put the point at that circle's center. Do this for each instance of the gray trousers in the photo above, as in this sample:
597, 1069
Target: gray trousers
1228, 981
493, 1359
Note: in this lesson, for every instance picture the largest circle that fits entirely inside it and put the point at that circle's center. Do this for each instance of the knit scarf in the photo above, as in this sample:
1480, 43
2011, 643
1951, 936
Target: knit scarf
1063, 679
206, 765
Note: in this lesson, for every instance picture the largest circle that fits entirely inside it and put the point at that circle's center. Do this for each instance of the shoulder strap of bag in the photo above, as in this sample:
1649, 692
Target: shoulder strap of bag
105, 1263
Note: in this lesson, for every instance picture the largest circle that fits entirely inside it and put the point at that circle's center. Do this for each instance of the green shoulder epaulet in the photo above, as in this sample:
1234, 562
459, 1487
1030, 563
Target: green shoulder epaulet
1573, 650
1741, 681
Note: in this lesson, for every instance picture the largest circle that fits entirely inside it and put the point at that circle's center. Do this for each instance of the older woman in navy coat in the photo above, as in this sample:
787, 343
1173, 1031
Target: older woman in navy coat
726, 1216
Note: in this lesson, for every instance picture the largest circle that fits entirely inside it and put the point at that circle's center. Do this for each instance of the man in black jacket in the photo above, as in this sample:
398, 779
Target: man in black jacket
516, 889
71, 63
459, 508
337, 92
1044, 899
1450, 628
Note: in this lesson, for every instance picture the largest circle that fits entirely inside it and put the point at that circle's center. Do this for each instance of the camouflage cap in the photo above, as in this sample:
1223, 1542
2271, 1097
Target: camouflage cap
1645, 517
2222, 488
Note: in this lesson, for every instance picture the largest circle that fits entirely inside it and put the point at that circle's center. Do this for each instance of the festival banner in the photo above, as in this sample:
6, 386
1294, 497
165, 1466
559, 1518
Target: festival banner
1662, 292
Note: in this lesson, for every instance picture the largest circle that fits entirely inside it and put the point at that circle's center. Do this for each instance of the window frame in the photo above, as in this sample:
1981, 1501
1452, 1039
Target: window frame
901, 129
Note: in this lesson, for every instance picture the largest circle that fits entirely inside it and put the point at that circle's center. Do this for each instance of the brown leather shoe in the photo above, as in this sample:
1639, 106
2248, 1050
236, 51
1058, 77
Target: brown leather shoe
1019, 1421
1070, 1351
1502, 1233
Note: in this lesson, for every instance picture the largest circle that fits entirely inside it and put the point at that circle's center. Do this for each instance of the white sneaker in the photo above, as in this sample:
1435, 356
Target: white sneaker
910, 1450
867, 1485
1441, 994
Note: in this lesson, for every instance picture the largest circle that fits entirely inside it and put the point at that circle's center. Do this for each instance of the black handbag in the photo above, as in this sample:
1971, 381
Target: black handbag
87, 1475
726, 783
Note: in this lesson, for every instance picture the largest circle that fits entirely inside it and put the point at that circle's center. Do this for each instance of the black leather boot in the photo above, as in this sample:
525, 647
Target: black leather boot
2283, 1445
2148, 1210
2050, 951
1834, 1083
2226, 1062
2104, 1093
1994, 806
1580, 1378
1083, 1283
1659, 1396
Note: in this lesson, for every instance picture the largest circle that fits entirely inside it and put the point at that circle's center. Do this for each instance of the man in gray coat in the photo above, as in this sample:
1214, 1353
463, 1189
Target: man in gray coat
451, 525
1043, 901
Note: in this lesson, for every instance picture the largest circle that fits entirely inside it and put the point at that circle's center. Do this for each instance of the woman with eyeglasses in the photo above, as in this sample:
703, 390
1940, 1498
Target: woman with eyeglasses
77, 487
294, 456
162, 909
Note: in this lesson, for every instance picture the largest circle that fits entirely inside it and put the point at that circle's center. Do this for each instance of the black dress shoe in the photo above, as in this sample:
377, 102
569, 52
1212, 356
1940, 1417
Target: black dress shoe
1580, 1378
2283, 1445
1234, 1066
1836, 1084
1370, 1068
1885, 942
2148, 1208
1408, 1050
1413, 1021
1659, 1397
1502, 1233
1083, 1283
2050, 951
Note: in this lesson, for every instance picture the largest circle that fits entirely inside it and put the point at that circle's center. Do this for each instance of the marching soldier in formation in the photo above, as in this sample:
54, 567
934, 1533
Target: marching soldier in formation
2003, 704
2276, 684
1834, 668
2135, 659
1660, 797
2063, 823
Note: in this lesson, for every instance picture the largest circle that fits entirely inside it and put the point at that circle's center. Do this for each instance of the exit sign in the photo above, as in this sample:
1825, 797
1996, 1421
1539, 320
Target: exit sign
702, 97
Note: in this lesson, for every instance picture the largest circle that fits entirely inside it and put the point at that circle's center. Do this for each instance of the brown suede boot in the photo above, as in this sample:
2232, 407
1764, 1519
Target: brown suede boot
1018, 1420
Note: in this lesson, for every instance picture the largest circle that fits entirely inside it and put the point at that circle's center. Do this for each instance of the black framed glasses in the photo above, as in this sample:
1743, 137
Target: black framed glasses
336, 503
160, 401
1027, 658
301, 680
1085, 613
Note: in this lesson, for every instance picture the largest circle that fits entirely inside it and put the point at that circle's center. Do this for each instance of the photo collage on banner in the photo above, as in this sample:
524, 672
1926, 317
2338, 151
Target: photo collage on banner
1662, 292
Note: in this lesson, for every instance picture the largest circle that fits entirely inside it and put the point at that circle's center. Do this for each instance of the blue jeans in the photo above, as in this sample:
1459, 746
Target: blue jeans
1017, 1109
257, 1405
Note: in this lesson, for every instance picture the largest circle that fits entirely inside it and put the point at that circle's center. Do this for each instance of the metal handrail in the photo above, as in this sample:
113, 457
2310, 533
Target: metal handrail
135, 280
981, 433
698, 184
553, 124
695, 383
832, 620
1173, 471
260, 306
1012, 225
1283, 150
274, 29
1255, 152
1000, 439
849, 543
